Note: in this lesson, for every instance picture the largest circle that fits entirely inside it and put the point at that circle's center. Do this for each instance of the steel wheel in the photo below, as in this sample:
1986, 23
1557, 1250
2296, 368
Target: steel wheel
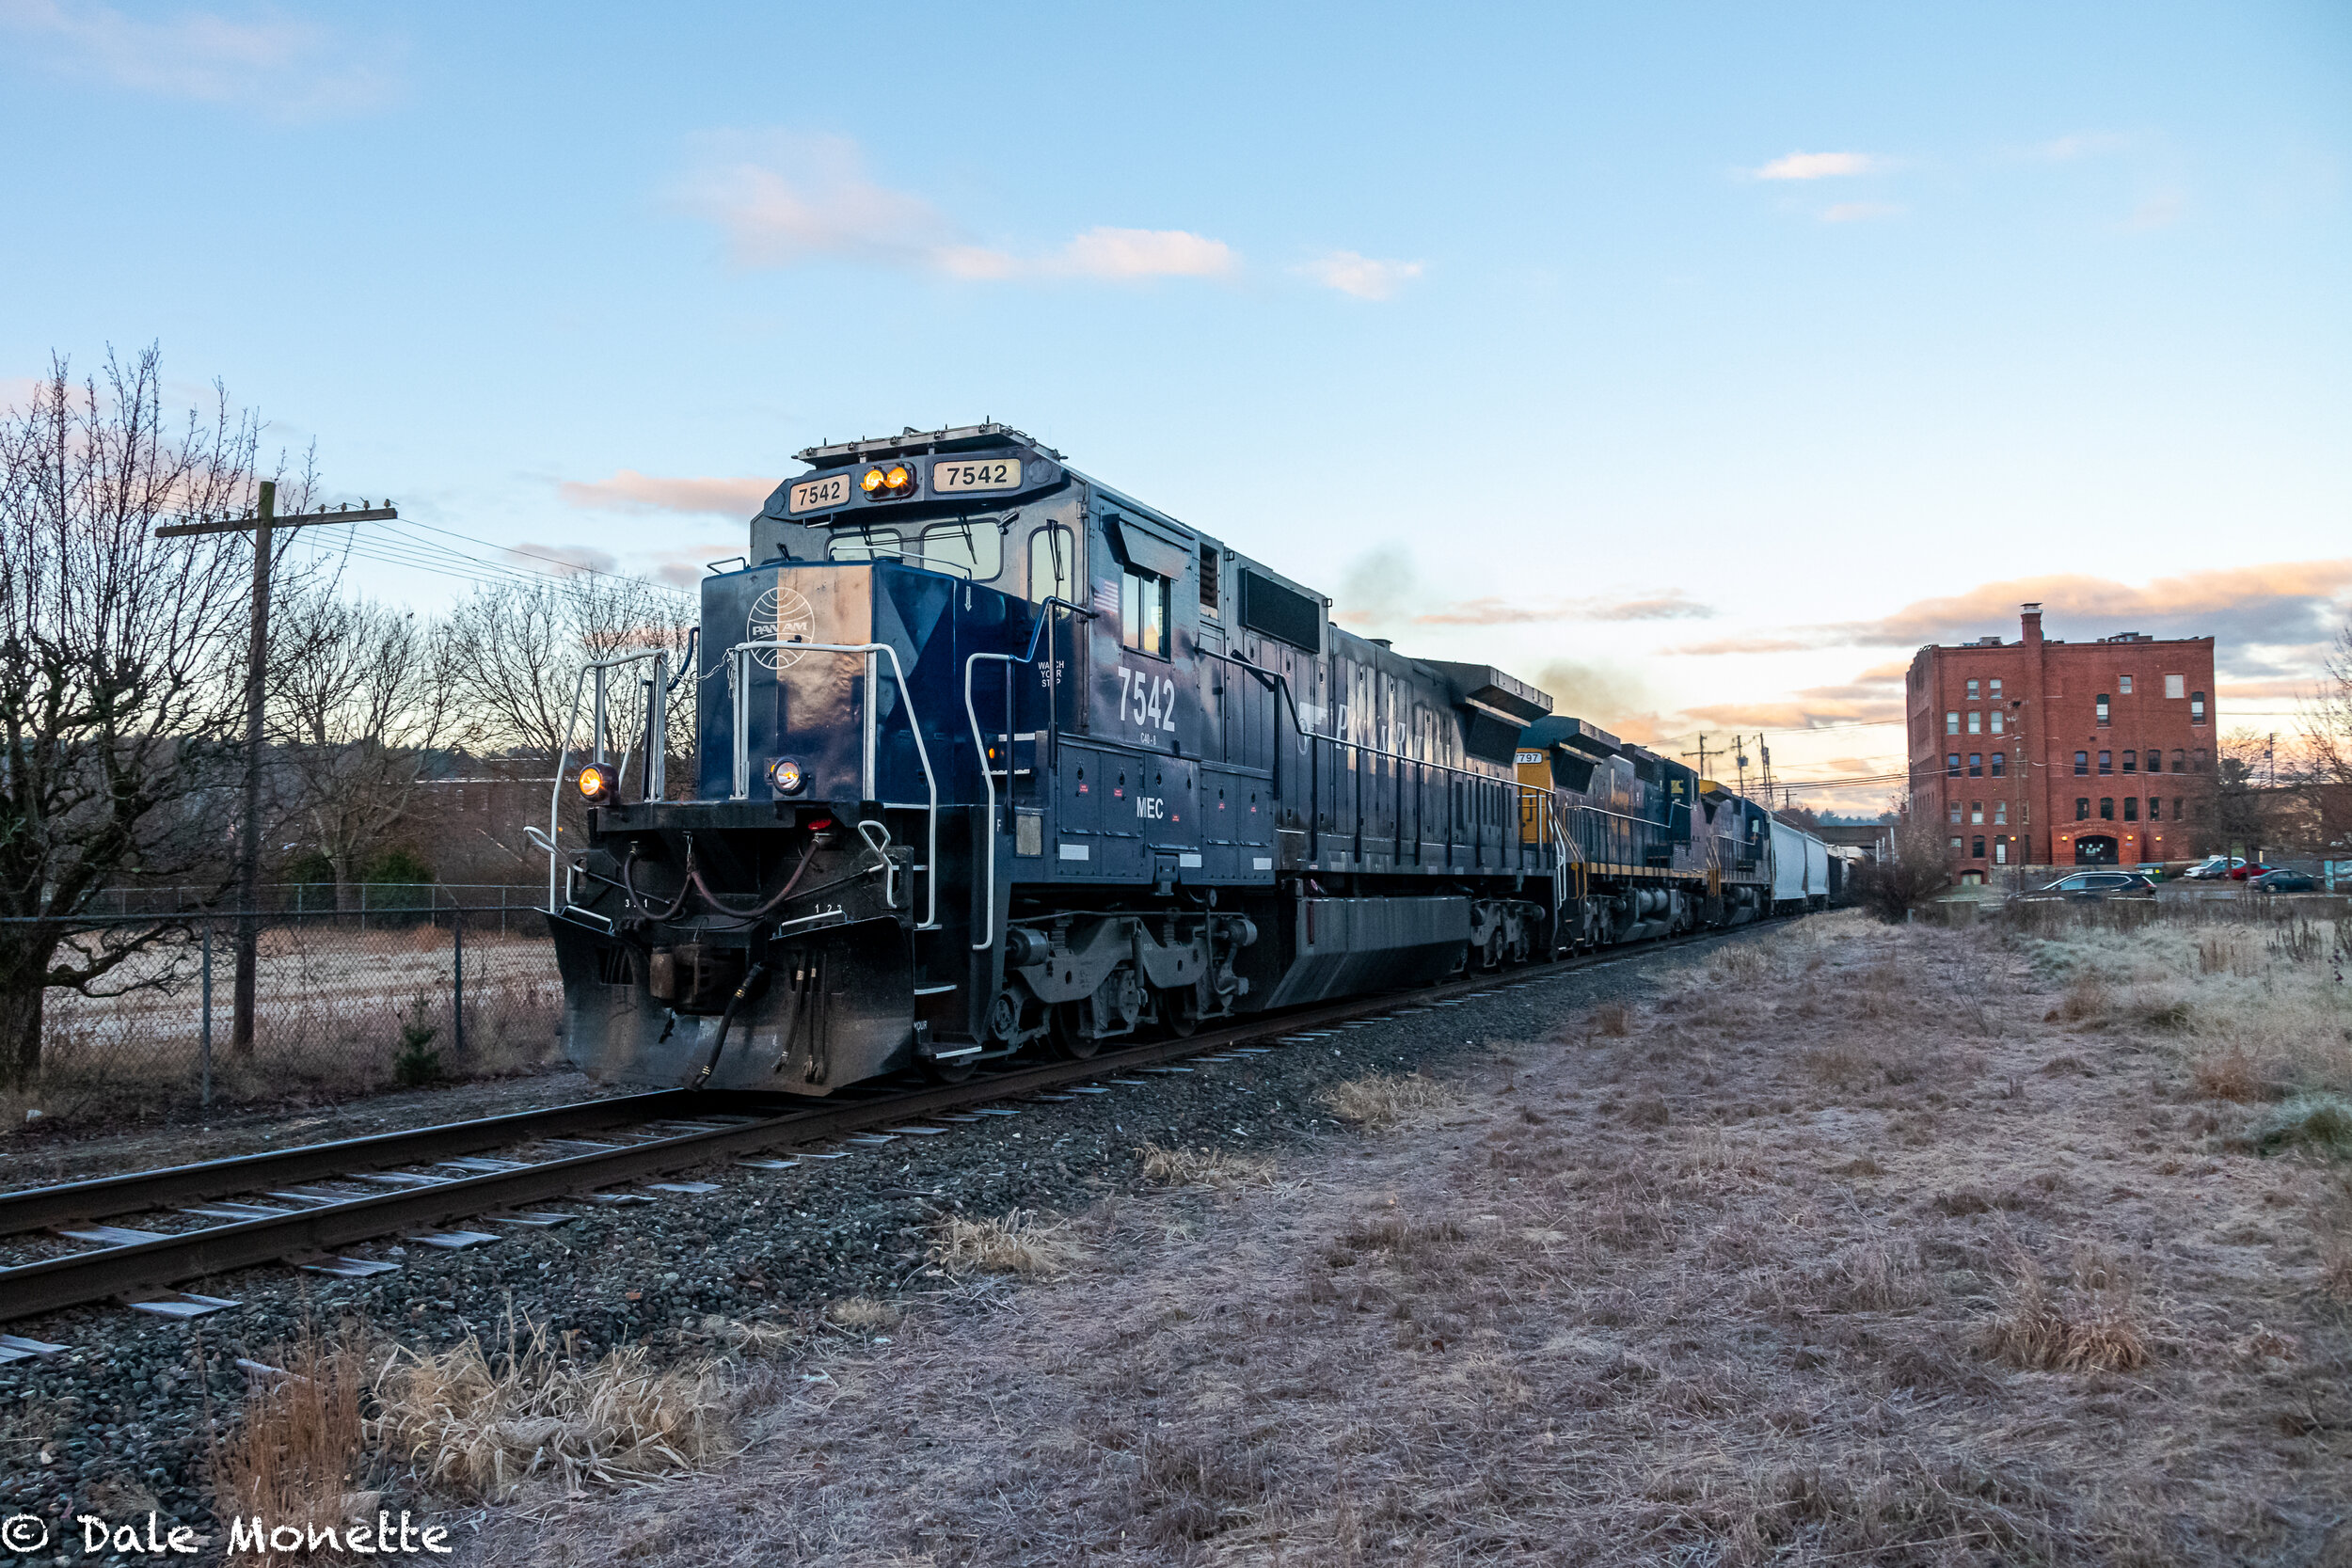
1066, 1032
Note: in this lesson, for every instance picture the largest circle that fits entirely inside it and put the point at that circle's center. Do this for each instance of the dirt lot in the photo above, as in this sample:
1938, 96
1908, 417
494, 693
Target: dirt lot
1853, 1245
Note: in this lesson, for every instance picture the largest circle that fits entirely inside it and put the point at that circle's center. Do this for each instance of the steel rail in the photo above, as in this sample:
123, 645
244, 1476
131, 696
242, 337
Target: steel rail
37, 1207
116, 1273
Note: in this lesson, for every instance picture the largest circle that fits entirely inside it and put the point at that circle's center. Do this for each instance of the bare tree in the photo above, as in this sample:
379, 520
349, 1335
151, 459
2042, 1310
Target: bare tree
2327, 721
520, 648
2241, 812
363, 695
120, 699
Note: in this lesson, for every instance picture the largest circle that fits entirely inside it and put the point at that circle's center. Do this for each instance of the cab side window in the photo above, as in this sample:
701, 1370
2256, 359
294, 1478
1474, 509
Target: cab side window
1053, 566
1143, 612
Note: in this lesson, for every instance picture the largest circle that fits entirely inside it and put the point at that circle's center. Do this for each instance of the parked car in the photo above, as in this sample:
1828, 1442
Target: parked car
2284, 881
2250, 870
2092, 887
2213, 867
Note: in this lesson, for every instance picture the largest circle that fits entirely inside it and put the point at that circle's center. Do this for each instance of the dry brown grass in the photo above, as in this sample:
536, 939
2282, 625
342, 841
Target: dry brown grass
487, 1423
2092, 1323
297, 1454
2232, 1074
1019, 1244
1662, 1297
1386, 1099
1614, 1020
1203, 1167
862, 1313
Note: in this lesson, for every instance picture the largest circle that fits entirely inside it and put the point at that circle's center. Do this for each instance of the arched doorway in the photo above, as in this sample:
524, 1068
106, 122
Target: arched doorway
2094, 849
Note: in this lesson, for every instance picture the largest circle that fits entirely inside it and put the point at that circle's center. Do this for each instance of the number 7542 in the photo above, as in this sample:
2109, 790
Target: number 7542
1152, 697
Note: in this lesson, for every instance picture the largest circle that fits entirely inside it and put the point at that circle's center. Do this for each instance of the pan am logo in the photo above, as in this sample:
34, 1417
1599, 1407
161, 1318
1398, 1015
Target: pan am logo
780, 615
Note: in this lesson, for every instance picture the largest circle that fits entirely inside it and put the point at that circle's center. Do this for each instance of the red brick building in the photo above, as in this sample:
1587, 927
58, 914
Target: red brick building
2043, 752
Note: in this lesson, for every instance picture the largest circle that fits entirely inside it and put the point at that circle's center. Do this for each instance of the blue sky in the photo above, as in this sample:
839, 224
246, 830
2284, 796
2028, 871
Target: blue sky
1700, 362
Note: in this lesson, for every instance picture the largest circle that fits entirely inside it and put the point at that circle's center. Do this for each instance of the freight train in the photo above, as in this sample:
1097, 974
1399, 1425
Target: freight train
992, 758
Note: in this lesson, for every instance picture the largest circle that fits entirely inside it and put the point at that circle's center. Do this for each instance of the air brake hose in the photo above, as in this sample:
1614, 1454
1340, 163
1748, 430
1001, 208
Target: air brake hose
726, 1021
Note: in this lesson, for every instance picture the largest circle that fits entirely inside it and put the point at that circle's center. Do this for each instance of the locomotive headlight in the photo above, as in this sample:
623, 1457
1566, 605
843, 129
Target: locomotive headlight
785, 776
888, 484
595, 783
872, 481
899, 477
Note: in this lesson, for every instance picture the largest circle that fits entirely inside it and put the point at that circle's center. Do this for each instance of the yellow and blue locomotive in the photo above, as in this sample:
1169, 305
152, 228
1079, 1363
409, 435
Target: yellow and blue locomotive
990, 757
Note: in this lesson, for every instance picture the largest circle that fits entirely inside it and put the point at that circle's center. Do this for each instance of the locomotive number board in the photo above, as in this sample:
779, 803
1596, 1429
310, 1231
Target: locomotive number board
818, 495
948, 476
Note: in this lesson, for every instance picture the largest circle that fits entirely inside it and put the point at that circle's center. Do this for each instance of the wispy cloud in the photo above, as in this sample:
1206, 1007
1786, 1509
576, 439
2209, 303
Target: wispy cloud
629, 491
2290, 608
1359, 275
1672, 605
1860, 212
2296, 601
1819, 166
1724, 645
282, 67
781, 200
2159, 210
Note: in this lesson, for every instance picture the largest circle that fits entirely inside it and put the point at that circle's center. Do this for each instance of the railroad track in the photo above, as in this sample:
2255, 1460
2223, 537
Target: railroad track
271, 1215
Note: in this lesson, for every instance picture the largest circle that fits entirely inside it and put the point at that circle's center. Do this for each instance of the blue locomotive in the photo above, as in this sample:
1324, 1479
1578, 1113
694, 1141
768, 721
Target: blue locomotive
993, 757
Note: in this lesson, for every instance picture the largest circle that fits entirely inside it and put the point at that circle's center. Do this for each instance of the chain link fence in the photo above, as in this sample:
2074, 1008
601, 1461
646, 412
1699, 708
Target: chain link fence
346, 1003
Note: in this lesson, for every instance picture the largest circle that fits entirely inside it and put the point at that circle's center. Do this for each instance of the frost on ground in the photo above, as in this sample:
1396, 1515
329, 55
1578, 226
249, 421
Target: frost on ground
1858, 1244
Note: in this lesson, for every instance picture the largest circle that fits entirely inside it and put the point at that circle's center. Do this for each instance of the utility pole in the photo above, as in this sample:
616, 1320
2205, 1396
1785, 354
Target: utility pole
260, 525
1739, 758
1700, 753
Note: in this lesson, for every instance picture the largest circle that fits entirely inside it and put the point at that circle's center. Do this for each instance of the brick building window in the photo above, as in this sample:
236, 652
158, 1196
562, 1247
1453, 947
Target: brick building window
2155, 808
2195, 707
2155, 762
1977, 852
1972, 691
2102, 709
2106, 763
2131, 808
2179, 760
1955, 813
2082, 808
2197, 760
2000, 851
1975, 722
2176, 687
1951, 723
1975, 813
1997, 721
2131, 762
1955, 845
2106, 808
2123, 684
1951, 765
2000, 763
2082, 764
1996, 689
1976, 765
2001, 814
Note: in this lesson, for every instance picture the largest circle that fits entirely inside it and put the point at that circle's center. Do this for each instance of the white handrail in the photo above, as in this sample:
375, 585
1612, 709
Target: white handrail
740, 655
659, 746
988, 782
